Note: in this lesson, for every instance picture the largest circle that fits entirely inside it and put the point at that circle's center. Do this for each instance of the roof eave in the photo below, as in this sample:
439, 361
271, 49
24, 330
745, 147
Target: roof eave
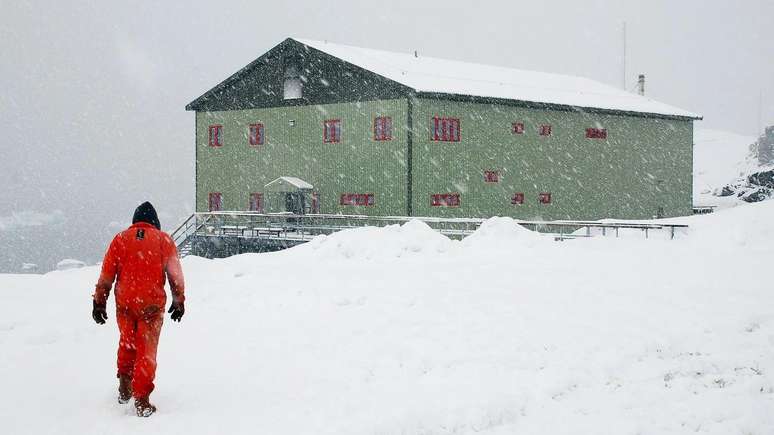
554, 106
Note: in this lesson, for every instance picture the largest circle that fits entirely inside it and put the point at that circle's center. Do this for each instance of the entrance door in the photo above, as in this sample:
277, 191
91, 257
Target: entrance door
294, 203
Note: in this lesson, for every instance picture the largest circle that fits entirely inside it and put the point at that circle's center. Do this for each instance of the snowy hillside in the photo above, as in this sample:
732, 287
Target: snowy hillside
718, 158
401, 331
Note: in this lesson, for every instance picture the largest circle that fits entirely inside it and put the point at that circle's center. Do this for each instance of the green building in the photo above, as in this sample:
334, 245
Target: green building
315, 127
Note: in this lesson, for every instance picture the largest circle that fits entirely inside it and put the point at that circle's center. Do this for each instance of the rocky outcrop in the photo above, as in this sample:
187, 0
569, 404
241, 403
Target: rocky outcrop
756, 187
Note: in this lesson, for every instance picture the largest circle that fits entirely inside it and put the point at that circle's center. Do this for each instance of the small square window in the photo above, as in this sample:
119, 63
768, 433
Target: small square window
544, 198
332, 131
517, 198
492, 176
216, 135
545, 130
383, 128
517, 128
256, 134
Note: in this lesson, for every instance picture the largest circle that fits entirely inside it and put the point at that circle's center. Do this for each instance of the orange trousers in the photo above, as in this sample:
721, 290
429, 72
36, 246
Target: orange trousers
137, 347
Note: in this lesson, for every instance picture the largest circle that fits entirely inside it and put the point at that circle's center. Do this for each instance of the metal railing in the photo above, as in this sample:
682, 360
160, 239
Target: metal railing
301, 228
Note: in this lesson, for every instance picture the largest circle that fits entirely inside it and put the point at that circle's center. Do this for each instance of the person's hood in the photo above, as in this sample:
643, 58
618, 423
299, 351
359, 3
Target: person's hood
146, 213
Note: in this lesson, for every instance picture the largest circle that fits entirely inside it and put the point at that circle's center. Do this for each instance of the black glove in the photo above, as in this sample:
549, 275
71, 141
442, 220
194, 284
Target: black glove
99, 312
177, 309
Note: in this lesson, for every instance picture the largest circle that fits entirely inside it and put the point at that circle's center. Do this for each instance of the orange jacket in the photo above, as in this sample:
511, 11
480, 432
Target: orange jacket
142, 258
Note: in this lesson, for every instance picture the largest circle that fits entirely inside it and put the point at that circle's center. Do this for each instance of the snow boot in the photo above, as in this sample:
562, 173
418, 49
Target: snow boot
124, 389
143, 407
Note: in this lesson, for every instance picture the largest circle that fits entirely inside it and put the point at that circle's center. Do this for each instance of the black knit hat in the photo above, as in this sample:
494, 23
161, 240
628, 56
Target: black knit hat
146, 213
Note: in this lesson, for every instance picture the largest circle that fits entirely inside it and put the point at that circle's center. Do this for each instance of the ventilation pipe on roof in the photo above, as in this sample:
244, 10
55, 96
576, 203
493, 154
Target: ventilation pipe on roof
641, 84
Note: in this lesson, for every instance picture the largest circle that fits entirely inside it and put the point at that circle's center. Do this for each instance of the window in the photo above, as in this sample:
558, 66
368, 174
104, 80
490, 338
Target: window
544, 198
315, 208
216, 201
293, 88
446, 129
256, 202
383, 128
256, 134
365, 199
332, 131
492, 176
545, 130
216, 136
517, 128
445, 200
517, 198
596, 133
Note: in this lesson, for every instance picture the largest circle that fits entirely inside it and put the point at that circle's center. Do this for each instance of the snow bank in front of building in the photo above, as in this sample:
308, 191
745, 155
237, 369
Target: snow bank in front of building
399, 330
499, 233
371, 243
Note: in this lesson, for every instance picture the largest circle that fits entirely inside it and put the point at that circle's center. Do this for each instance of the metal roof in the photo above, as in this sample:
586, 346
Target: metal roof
433, 75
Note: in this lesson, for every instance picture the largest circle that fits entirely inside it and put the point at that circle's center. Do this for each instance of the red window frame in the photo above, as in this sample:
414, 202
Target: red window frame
492, 176
383, 128
446, 129
256, 202
517, 128
357, 199
445, 200
332, 131
517, 198
215, 200
544, 198
596, 133
255, 134
545, 130
216, 135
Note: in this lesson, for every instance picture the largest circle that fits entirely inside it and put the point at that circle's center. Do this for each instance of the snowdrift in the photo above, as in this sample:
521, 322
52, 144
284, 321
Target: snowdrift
400, 330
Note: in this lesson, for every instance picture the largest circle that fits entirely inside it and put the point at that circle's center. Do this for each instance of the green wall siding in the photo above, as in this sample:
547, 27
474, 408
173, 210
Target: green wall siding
644, 164
357, 164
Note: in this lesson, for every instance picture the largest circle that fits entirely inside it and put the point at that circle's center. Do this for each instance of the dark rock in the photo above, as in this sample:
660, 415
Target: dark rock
764, 178
756, 195
726, 191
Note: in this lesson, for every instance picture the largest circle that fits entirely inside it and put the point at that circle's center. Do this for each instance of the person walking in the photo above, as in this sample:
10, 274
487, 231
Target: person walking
140, 259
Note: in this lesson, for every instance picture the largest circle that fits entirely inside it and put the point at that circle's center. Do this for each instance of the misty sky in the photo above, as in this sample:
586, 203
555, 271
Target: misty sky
93, 93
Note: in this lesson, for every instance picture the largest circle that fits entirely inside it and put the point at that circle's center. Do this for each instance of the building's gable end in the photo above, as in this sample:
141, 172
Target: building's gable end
324, 80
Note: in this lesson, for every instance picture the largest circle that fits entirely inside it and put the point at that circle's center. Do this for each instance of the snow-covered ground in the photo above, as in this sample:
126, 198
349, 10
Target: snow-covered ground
719, 157
401, 331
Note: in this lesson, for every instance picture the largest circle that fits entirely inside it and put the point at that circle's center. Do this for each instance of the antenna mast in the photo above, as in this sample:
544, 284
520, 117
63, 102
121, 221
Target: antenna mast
623, 77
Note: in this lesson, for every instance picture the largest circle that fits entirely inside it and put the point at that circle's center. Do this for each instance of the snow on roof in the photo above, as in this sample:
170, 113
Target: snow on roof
428, 74
294, 182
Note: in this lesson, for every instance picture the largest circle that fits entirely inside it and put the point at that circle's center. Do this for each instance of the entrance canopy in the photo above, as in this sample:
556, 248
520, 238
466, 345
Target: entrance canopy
288, 185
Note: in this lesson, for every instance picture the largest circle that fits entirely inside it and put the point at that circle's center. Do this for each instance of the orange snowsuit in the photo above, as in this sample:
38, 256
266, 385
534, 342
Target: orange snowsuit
141, 257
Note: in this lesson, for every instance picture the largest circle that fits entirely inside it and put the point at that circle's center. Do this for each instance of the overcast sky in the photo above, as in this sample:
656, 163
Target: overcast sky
93, 93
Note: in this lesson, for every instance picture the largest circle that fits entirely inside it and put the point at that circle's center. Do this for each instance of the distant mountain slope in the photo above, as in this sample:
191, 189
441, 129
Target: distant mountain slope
719, 157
